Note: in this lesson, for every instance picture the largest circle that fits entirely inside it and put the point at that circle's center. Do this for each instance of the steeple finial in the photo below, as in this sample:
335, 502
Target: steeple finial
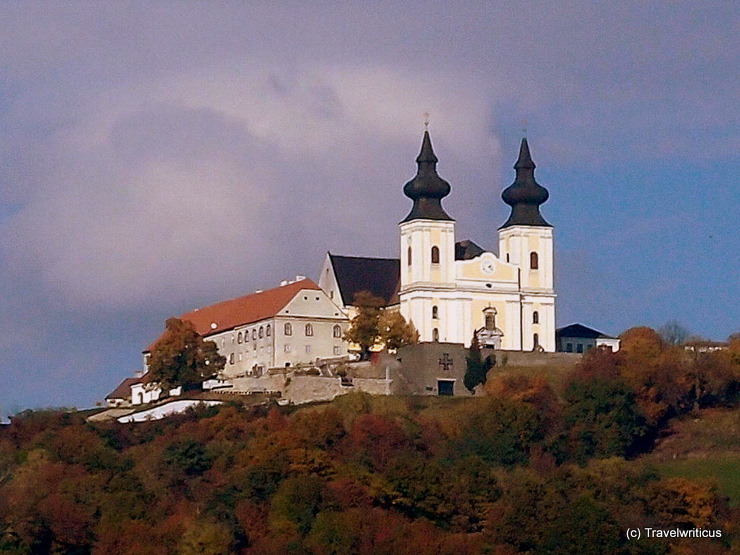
525, 158
525, 195
427, 189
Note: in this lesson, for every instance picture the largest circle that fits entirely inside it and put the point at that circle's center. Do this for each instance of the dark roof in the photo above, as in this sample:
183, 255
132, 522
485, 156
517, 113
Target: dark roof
427, 189
579, 330
466, 250
525, 195
123, 391
379, 276
227, 315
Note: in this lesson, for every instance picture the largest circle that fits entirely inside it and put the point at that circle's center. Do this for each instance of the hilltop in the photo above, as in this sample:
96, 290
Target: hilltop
533, 466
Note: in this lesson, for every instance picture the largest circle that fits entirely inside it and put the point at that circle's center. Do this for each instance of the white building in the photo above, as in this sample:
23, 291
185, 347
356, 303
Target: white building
451, 290
286, 326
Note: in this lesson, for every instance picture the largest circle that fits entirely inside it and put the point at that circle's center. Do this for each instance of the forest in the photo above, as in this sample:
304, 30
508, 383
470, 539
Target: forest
533, 466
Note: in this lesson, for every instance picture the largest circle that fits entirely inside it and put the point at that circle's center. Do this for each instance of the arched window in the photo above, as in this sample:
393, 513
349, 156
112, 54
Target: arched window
535, 317
239, 338
408, 257
435, 312
231, 358
337, 330
254, 334
435, 255
268, 330
309, 330
288, 329
435, 335
534, 261
536, 340
262, 332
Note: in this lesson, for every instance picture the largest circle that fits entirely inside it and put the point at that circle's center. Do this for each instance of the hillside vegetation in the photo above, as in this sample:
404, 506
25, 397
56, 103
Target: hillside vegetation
524, 469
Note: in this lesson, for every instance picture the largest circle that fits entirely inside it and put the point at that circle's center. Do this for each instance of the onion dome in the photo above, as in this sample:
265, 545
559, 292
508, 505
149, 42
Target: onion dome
427, 189
525, 195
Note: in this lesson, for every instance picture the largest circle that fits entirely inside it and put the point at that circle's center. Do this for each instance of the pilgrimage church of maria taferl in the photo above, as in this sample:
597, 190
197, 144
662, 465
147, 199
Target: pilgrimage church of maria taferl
451, 290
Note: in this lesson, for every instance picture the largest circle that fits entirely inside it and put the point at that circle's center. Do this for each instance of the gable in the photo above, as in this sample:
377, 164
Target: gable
311, 304
473, 269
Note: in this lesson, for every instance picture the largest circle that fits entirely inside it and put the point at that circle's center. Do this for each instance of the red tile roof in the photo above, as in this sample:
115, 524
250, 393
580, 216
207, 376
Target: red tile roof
227, 315
123, 391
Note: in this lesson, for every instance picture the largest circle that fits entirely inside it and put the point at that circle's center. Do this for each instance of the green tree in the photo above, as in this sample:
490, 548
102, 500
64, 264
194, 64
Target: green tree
364, 330
602, 417
476, 371
181, 357
502, 433
395, 331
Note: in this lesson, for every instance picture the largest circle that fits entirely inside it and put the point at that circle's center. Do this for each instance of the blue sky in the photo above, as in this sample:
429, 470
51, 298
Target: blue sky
158, 156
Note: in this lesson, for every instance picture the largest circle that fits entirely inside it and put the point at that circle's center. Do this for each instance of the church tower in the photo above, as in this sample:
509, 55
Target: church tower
427, 251
526, 241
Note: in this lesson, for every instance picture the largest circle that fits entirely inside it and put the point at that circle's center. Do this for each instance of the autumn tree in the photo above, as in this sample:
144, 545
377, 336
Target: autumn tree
181, 357
476, 370
364, 329
372, 326
395, 331
641, 341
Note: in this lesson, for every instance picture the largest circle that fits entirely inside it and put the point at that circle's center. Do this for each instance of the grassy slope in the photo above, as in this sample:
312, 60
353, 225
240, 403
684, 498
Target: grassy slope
702, 446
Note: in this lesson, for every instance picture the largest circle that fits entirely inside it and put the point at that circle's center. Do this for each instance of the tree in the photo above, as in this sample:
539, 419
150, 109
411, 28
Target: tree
395, 331
477, 369
641, 342
181, 357
601, 416
364, 330
674, 333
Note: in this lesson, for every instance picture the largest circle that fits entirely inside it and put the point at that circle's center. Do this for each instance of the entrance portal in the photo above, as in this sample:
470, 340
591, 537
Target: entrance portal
446, 387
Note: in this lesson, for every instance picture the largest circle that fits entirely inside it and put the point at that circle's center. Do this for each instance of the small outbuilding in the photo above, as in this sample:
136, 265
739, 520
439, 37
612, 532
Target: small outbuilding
578, 338
121, 395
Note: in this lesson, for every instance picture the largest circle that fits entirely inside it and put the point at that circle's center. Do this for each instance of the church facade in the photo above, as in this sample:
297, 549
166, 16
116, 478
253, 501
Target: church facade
453, 290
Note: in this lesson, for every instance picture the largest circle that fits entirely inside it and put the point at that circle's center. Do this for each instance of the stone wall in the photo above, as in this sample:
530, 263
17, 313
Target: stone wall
426, 367
306, 389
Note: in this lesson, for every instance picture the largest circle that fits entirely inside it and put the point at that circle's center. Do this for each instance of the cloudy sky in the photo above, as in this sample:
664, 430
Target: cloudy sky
160, 156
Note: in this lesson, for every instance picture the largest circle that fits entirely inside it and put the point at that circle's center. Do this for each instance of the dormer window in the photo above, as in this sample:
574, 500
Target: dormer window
435, 255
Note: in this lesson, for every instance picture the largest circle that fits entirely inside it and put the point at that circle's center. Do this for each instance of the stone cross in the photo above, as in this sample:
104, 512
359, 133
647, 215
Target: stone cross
445, 362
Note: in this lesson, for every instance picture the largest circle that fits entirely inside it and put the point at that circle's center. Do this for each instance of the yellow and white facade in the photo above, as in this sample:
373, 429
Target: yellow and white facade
450, 290
509, 299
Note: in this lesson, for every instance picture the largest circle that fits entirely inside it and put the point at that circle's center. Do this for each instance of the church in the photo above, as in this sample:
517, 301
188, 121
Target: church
452, 290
